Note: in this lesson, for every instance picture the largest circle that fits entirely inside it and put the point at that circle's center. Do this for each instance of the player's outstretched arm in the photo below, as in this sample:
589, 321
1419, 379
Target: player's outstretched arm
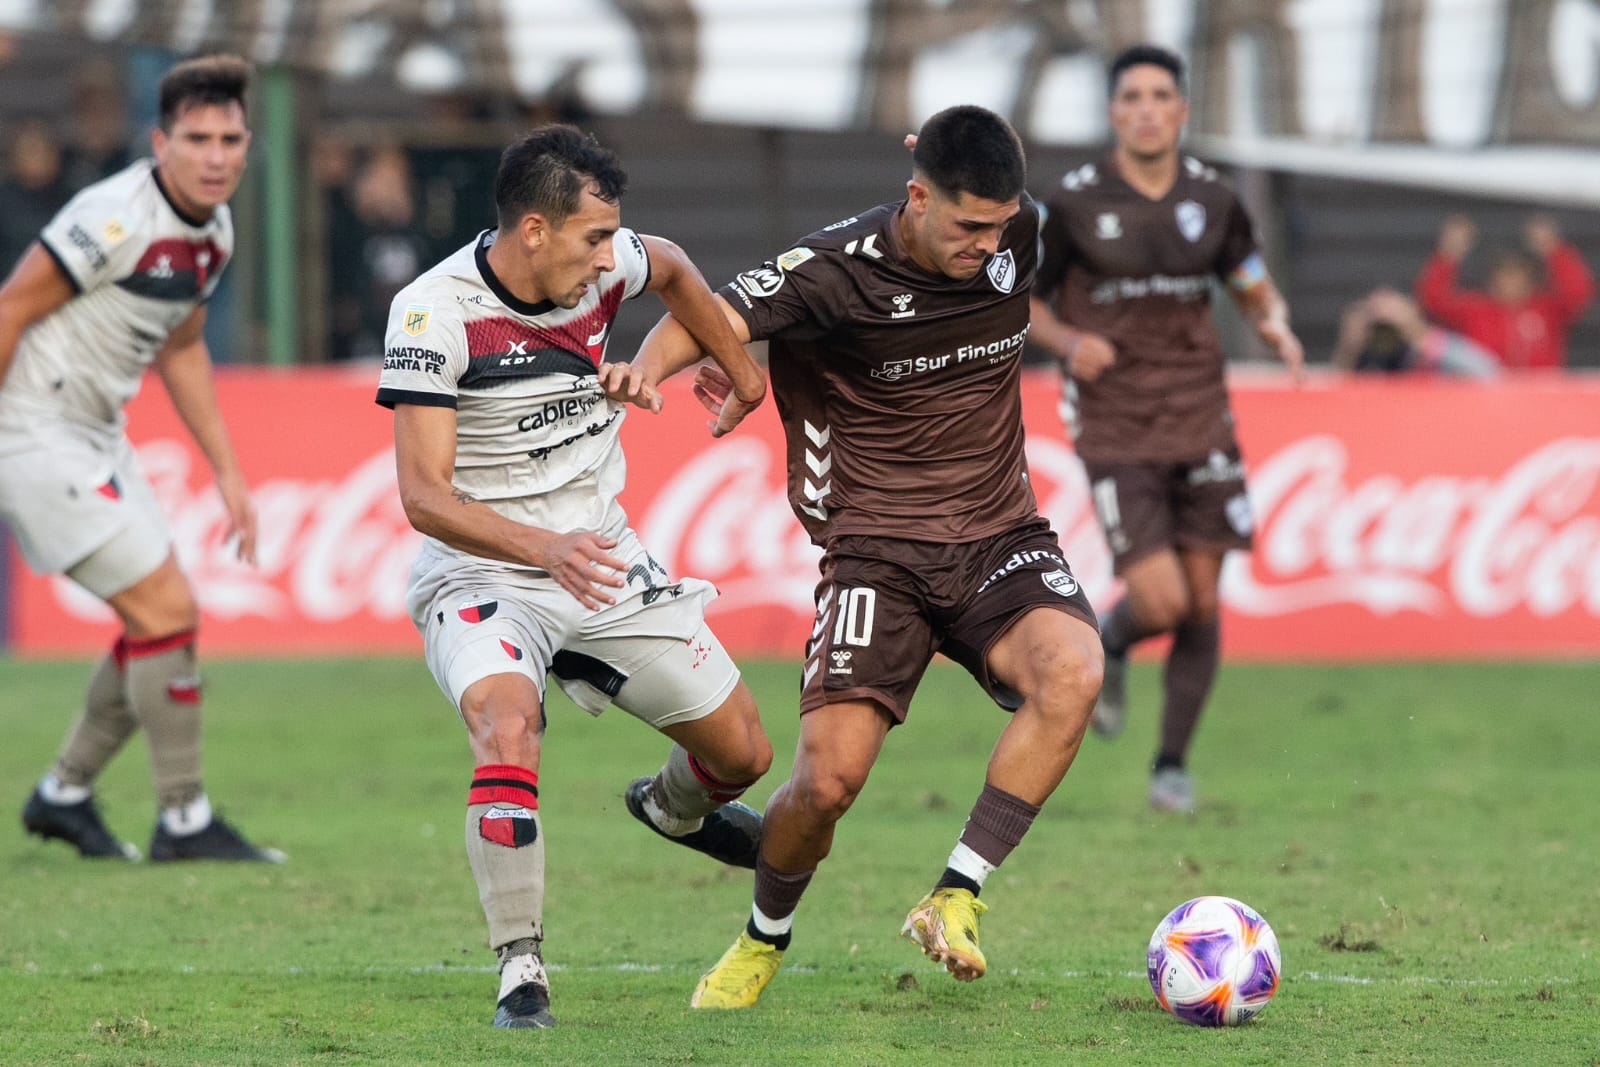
184, 364
425, 457
36, 288
705, 325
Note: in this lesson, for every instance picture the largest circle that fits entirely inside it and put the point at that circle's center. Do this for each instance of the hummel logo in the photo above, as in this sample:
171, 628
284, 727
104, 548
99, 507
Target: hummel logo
901, 301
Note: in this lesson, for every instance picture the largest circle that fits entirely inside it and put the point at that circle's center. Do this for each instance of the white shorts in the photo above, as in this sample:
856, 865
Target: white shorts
68, 494
651, 653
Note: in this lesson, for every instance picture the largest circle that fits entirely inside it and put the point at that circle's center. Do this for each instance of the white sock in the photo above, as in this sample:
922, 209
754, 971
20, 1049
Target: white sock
965, 861
55, 791
518, 971
668, 824
189, 819
769, 926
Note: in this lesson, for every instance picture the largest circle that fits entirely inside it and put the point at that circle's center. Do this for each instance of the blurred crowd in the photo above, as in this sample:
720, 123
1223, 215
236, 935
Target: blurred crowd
391, 213
1518, 321
392, 209
46, 163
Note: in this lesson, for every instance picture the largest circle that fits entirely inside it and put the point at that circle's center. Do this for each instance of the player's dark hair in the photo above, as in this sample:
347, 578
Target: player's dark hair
548, 171
969, 149
1145, 55
219, 79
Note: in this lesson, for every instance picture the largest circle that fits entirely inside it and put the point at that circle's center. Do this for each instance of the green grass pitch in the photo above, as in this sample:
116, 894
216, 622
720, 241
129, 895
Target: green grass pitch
1424, 839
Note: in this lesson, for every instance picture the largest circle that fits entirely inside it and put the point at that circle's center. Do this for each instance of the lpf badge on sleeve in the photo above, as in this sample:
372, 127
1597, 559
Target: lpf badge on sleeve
416, 319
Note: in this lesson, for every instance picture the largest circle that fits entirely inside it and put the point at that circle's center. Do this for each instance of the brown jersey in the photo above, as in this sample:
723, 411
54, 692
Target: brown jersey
1138, 272
899, 389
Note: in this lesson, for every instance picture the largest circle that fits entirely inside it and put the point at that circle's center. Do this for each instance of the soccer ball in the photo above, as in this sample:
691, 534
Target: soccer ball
1213, 962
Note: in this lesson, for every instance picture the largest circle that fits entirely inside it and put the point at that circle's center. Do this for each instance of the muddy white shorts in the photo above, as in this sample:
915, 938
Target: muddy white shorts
78, 502
651, 653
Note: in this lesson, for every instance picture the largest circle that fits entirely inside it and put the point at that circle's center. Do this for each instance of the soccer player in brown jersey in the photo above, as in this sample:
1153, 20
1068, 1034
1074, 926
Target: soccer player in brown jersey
895, 342
117, 283
1131, 245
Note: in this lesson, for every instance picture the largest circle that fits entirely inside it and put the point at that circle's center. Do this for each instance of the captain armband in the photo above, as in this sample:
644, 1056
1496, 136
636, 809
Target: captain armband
1249, 274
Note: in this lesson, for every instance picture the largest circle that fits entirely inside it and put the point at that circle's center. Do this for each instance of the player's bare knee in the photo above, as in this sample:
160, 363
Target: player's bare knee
1060, 679
1163, 613
158, 605
503, 731
743, 764
826, 797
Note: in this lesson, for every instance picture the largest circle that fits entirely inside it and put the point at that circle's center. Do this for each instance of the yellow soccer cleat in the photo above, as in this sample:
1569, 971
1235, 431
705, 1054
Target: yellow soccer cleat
739, 976
945, 925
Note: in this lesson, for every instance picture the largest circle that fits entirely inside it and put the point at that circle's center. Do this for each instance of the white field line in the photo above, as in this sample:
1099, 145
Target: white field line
32, 968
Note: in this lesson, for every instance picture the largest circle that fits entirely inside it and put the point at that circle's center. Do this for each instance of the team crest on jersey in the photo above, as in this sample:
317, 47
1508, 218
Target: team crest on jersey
416, 318
760, 281
1107, 226
1061, 582
1191, 219
1002, 270
794, 257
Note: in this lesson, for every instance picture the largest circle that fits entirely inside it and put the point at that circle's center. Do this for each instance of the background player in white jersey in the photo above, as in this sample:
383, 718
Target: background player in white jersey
117, 282
508, 457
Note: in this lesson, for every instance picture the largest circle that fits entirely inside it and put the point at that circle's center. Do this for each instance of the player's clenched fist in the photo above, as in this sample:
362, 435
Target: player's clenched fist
624, 383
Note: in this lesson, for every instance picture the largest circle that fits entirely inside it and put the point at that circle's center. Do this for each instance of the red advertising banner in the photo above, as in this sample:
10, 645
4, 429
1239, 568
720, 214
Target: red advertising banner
1393, 519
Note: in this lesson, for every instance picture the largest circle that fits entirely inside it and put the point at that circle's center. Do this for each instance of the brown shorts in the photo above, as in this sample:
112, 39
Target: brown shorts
1146, 507
885, 606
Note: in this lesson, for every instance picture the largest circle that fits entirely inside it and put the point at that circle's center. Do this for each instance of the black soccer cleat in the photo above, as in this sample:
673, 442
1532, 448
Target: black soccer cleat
731, 834
79, 825
218, 841
526, 1006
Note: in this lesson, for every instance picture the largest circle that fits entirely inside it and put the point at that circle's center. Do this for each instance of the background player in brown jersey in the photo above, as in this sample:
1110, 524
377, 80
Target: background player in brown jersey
894, 345
1130, 248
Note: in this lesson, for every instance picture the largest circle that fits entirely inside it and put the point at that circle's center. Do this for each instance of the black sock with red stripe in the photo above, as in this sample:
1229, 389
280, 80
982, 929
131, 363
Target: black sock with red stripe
505, 846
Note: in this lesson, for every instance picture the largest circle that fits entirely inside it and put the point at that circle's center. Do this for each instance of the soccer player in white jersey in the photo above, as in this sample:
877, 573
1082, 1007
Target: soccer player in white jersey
118, 282
508, 459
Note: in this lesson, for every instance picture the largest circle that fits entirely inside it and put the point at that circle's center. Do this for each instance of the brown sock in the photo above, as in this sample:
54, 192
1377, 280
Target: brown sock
1121, 630
1190, 670
162, 685
104, 727
505, 847
997, 823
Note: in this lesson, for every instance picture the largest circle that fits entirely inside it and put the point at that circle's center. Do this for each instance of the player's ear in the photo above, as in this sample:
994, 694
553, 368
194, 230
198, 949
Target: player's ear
917, 196
533, 229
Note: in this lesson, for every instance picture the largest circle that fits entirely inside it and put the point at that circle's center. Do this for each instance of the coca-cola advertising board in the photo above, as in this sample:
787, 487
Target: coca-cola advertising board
1394, 519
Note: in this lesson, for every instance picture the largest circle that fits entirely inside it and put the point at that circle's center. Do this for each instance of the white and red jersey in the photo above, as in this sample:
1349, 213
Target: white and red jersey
536, 437
140, 268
